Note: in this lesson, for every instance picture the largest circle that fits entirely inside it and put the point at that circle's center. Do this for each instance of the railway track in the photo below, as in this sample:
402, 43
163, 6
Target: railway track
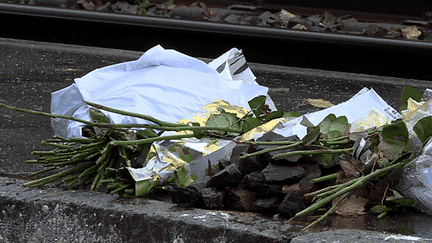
317, 50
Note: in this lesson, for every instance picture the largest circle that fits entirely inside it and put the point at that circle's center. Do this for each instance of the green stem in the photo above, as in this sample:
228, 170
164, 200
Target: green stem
73, 139
272, 143
303, 152
271, 150
358, 182
61, 146
34, 161
57, 176
88, 171
119, 188
47, 159
333, 139
102, 170
321, 191
337, 142
40, 113
331, 210
133, 114
325, 178
346, 184
151, 140
52, 152
42, 171
71, 178
179, 128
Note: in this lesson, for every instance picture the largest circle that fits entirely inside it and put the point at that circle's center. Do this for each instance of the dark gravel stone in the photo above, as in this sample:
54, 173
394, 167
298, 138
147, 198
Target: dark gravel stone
312, 171
52, 3
254, 180
232, 19
199, 184
239, 150
223, 163
216, 19
282, 174
213, 198
190, 13
228, 177
184, 197
251, 164
291, 205
124, 7
293, 22
313, 20
376, 31
273, 137
267, 205
265, 16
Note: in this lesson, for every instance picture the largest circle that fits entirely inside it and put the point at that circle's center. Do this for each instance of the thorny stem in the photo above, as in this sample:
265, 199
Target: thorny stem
325, 178
182, 127
271, 143
45, 114
331, 210
358, 182
322, 151
271, 150
166, 126
349, 183
57, 176
321, 191
151, 140
133, 114
45, 170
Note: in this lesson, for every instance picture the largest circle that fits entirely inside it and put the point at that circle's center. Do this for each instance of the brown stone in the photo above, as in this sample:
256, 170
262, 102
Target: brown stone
240, 199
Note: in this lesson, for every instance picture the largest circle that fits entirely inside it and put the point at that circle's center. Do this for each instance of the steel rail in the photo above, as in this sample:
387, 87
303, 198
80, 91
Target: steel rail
217, 28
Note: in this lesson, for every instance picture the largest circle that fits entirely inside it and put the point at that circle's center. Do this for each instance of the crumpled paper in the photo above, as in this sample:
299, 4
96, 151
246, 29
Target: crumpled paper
169, 86
197, 154
366, 109
416, 179
165, 84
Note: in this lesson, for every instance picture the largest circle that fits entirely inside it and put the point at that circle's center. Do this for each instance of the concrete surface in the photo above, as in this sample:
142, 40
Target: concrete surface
30, 71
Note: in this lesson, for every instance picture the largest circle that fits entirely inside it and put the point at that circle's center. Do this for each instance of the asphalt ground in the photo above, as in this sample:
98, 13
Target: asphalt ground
30, 71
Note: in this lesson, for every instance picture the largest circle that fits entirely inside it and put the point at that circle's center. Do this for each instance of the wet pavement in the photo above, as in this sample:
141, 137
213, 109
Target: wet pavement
30, 71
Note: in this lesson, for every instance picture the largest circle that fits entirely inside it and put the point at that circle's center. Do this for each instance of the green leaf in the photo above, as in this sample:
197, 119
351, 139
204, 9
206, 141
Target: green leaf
399, 200
249, 124
183, 177
143, 187
333, 127
378, 209
291, 114
273, 115
390, 150
224, 119
409, 92
396, 133
146, 133
382, 163
305, 122
311, 136
97, 116
197, 133
257, 105
325, 159
403, 202
423, 128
